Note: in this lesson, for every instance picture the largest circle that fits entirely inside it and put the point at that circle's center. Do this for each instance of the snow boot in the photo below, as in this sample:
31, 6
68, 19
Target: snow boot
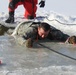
30, 17
10, 18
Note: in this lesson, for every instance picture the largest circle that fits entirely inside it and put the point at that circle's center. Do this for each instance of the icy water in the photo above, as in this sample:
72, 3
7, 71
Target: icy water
18, 60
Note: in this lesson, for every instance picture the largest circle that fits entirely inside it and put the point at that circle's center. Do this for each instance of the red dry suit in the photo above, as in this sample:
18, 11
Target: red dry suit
29, 5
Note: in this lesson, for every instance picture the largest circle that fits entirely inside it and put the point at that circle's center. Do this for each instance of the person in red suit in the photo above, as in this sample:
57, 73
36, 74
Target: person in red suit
29, 5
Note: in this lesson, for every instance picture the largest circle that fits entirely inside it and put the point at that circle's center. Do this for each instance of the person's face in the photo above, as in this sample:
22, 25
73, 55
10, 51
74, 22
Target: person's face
42, 34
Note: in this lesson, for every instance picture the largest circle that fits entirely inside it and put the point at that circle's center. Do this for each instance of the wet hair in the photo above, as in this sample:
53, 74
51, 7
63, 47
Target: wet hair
45, 26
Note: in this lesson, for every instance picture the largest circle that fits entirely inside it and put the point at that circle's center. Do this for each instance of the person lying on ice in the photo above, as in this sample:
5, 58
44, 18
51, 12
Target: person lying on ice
29, 5
26, 33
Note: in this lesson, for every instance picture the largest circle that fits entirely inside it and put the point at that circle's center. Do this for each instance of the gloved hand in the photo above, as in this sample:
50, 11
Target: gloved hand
42, 3
29, 43
72, 40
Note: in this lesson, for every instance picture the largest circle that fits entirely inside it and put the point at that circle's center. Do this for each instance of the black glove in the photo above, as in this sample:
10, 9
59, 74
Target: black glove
42, 3
22, 0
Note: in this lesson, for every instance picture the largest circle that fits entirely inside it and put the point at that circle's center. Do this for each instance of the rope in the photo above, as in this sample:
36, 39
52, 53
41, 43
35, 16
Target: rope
59, 22
57, 52
8, 73
55, 20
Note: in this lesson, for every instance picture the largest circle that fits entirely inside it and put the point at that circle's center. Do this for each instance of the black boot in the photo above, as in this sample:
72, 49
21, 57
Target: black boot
10, 18
30, 17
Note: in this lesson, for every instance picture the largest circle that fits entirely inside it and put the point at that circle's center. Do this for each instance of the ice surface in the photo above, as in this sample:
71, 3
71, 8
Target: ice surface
18, 60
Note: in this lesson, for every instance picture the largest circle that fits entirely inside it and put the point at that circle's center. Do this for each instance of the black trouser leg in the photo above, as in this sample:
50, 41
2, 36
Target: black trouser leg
12, 5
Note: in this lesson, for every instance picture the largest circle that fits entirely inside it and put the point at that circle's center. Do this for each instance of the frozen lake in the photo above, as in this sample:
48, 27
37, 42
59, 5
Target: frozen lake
18, 60
49, 59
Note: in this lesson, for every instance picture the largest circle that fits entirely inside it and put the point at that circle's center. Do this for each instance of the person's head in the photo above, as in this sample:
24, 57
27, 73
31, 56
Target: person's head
43, 30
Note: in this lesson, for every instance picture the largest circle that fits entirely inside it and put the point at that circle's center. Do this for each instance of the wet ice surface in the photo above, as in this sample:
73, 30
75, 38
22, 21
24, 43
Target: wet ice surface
18, 60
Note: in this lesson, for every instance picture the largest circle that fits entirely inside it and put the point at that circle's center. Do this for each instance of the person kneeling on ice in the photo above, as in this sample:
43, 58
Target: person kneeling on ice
28, 32
30, 7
